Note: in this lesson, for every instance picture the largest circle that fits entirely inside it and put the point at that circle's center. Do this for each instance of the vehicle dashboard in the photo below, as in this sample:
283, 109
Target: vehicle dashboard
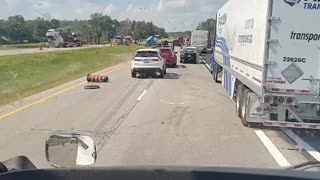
157, 173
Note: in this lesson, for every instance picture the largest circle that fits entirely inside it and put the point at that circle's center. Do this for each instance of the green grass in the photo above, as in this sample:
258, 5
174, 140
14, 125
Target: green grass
20, 46
24, 75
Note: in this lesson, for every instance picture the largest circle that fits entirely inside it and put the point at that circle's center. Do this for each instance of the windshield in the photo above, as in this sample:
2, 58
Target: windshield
166, 51
147, 54
251, 100
189, 51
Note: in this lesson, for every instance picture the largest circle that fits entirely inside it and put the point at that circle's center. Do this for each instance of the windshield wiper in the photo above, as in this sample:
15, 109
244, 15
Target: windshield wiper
305, 166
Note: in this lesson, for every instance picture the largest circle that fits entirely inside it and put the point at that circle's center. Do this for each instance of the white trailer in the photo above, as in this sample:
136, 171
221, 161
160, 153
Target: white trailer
199, 38
267, 53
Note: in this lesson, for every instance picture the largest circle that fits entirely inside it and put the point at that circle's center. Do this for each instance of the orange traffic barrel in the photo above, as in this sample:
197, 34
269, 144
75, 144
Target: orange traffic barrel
97, 78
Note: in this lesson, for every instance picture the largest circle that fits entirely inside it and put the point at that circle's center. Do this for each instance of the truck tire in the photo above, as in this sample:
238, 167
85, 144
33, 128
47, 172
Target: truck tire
244, 108
215, 74
133, 75
240, 89
161, 74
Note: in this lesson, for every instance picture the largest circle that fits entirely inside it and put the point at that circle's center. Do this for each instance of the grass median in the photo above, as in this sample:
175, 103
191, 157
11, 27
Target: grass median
24, 75
21, 46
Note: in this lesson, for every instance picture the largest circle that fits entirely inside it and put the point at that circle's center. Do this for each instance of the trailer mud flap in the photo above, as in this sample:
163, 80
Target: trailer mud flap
257, 112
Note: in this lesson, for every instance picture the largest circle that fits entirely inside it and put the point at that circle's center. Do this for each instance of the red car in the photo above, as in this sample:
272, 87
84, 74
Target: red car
170, 56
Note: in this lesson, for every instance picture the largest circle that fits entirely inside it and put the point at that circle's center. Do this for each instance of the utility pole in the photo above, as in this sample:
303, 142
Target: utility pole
209, 34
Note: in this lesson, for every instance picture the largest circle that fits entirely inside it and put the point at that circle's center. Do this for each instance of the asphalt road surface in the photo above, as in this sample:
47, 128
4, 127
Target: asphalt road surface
37, 50
64, 155
184, 119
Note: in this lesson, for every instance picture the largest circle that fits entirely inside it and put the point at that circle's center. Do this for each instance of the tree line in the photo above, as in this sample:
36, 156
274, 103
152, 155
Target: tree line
98, 29
210, 26
186, 34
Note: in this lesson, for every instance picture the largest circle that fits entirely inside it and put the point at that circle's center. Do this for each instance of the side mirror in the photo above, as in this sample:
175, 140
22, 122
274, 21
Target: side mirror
65, 149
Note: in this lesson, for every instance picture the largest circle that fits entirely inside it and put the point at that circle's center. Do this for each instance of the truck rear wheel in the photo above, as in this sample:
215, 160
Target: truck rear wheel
244, 108
215, 73
240, 89
161, 74
133, 75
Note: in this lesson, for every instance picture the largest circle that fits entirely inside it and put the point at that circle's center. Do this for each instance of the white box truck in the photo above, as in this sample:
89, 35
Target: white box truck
267, 55
199, 38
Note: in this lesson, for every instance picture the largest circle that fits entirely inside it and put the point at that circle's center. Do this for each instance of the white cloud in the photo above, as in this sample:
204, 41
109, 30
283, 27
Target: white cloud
169, 4
174, 15
109, 9
130, 7
85, 8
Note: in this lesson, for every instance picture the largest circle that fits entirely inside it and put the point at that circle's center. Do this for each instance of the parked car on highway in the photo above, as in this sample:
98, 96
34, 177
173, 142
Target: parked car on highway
154, 45
190, 55
148, 61
176, 43
207, 50
170, 56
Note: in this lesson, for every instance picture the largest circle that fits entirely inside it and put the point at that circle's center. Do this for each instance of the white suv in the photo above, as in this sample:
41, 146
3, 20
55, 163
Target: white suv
148, 61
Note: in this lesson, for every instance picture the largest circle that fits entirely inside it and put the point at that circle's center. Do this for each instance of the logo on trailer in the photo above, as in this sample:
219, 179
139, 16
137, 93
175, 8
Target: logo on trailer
222, 21
258, 109
292, 2
308, 4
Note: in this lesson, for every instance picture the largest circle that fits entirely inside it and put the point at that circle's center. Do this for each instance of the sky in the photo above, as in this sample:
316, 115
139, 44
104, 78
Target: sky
173, 15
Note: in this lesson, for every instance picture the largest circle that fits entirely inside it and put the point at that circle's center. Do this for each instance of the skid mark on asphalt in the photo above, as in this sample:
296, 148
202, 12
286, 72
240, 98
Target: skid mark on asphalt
105, 131
176, 117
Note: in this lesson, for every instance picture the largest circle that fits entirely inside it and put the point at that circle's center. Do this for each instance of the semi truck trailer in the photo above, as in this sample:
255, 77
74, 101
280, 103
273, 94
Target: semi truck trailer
199, 38
58, 39
267, 58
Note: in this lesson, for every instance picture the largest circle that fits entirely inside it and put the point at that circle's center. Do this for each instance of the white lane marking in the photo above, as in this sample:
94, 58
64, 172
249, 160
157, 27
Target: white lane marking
141, 96
273, 150
302, 144
174, 103
206, 64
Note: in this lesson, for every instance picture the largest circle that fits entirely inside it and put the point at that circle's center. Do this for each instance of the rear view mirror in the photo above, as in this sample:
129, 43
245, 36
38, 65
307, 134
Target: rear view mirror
65, 149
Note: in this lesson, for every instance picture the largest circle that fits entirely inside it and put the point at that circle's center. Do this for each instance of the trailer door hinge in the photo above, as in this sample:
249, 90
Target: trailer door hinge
311, 78
271, 18
271, 63
275, 41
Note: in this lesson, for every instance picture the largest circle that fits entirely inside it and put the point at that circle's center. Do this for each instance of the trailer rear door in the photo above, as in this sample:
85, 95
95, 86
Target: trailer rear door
294, 54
